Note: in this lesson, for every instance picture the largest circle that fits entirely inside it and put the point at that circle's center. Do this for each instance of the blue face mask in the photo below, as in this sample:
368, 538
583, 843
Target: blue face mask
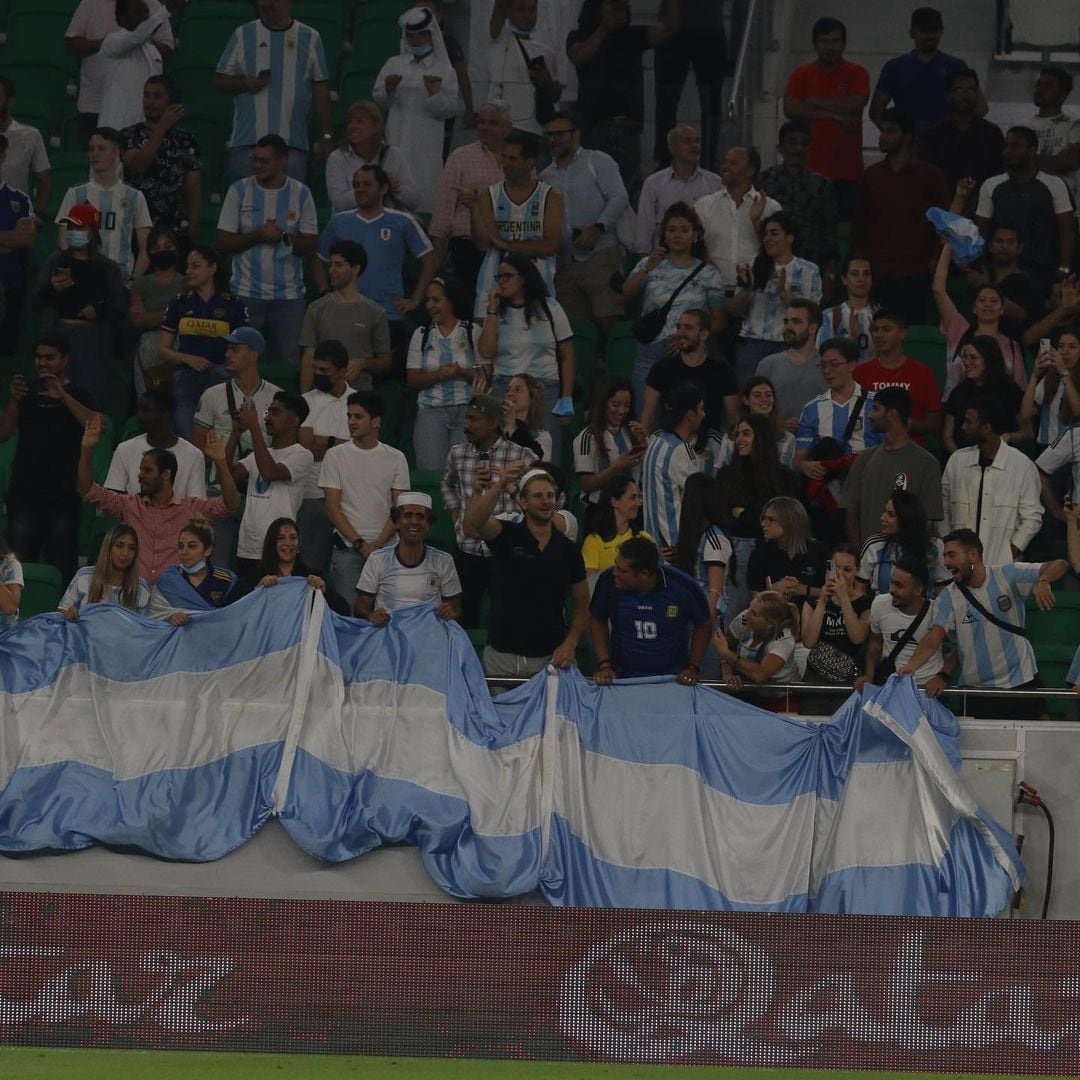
518, 31
420, 51
196, 567
78, 239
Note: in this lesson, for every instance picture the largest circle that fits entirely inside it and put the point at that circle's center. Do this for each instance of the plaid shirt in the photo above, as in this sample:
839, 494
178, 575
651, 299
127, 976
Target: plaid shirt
460, 478
470, 166
808, 198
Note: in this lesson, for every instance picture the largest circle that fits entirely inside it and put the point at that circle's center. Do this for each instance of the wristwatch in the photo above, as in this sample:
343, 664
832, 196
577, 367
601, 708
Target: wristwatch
357, 544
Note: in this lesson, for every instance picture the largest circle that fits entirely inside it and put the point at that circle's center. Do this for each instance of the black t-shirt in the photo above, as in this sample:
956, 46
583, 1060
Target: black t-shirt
1029, 205
1022, 290
612, 83
49, 445
715, 377
834, 631
90, 285
1005, 392
769, 561
529, 588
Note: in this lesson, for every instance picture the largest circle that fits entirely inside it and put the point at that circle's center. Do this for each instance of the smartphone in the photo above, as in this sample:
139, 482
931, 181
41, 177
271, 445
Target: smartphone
832, 567
1044, 345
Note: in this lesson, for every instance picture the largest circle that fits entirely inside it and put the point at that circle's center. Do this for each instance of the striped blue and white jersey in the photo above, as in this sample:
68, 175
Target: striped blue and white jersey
395, 585
590, 458
713, 550
295, 59
836, 322
764, 320
429, 350
1064, 451
123, 210
667, 465
990, 656
823, 418
268, 271
1052, 425
878, 557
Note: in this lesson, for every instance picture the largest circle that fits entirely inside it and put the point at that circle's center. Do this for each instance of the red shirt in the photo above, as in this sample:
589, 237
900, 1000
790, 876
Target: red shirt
835, 151
917, 379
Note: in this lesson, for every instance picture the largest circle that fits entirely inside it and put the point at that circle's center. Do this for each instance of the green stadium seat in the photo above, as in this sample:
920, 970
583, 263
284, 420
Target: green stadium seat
61, 7
205, 29
287, 376
586, 349
927, 344
42, 589
328, 21
41, 84
356, 81
37, 36
375, 41
68, 169
621, 351
212, 134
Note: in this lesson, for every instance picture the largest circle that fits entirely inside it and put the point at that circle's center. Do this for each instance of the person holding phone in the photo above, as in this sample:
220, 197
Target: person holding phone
1053, 394
611, 443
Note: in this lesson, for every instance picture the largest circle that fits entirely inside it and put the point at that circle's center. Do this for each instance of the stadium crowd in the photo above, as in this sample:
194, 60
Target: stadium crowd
765, 487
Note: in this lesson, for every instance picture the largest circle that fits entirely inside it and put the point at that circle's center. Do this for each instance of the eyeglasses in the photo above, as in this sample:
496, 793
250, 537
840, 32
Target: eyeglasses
509, 276
832, 365
558, 133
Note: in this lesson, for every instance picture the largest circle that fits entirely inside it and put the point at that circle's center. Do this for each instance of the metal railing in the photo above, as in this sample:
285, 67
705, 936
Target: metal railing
746, 78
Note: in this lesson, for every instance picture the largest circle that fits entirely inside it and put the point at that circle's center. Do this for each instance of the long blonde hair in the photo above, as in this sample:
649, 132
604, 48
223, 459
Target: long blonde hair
780, 614
792, 517
99, 580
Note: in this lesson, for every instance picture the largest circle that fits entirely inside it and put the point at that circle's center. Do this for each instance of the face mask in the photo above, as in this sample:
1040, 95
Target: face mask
419, 51
323, 383
162, 260
78, 239
196, 567
518, 31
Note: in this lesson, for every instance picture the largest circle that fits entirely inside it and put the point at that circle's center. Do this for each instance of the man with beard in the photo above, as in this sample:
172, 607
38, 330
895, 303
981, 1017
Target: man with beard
1000, 266
796, 373
983, 613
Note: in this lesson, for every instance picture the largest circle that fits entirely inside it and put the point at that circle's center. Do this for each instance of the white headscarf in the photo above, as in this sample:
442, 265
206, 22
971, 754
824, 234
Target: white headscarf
423, 18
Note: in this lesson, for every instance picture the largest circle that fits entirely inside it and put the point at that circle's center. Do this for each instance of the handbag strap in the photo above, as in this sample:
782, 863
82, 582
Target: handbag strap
853, 419
665, 309
1012, 628
909, 633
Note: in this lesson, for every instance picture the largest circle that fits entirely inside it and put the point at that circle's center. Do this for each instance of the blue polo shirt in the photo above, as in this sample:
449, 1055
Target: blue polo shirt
918, 89
650, 632
14, 207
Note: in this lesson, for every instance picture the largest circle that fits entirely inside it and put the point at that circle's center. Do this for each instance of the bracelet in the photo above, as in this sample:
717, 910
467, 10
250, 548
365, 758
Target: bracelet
694, 666
604, 663
493, 313
1043, 581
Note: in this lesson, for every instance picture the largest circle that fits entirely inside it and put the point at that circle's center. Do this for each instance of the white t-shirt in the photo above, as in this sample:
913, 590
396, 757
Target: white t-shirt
891, 623
530, 347
366, 480
509, 76
190, 477
269, 500
212, 414
10, 574
395, 585
123, 212
76, 595
129, 58
782, 646
328, 415
25, 155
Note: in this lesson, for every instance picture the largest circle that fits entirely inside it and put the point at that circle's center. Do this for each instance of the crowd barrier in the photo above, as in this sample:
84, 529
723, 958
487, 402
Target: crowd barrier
182, 741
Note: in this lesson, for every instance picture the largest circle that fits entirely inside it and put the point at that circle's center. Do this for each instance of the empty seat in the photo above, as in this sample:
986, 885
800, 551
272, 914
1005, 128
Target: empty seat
42, 589
375, 41
927, 345
621, 351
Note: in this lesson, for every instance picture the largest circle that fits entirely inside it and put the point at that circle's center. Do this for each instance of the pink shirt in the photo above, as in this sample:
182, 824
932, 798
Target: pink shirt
470, 166
954, 331
157, 526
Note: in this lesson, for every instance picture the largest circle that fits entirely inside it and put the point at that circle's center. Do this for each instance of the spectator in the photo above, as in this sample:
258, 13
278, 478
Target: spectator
267, 223
157, 514
520, 216
92, 23
835, 628
642, 615
618, 518
442, 365
689, 362
1064, 311
113, 579
1037, 203
703, 550
829, 94
151, 295
766, 289
456, 56
754, 476
890, 227
409, 572
795, 372
420, 90
787, 559
677, 275
327, 424
611, 444
346, 315
523, 415
535, 569
128, 59
124, 216
474, 167
1058, 132
897, 464
365, 144
275, 476
1062, 454
758, 399
11, 586
904, 534
18, 231
48, 414
162, 160
991, 488
1053, 395
916, 82
733, 216
670, 461
854, 315
759, 647
683, 181
387, 237
983, 612
281, 558
194, 583
361, 480
988, 307
700, 41
1001, 267
607, 52
526, 332
154, 414
270, 98
985, 376
194, 333
484, 454
963, 145
595, 199
521, 65
25, 158
83, 292
808, 199
899, 620
890, 367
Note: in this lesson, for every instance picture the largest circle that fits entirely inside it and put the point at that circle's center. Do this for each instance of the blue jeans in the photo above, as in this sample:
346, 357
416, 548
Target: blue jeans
188, 386
238, 164
280, 322
647, 355
345, 567
551, 396
736, 586
436, 429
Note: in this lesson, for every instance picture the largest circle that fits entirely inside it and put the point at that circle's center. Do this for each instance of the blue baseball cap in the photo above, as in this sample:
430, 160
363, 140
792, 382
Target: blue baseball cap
249, 336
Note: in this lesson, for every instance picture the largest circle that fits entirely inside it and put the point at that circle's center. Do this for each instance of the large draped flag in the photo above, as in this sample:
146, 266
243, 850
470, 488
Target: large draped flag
182, 741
